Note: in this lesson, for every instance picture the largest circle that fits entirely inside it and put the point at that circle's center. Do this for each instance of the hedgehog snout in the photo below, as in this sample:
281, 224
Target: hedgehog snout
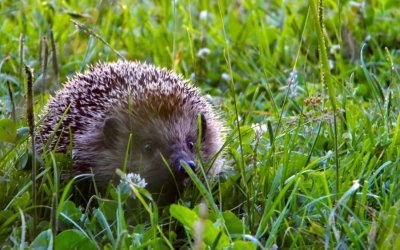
179, 157
191, 164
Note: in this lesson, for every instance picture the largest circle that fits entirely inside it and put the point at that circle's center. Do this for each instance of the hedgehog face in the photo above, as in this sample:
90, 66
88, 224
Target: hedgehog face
158, 148
172, 141
160, 163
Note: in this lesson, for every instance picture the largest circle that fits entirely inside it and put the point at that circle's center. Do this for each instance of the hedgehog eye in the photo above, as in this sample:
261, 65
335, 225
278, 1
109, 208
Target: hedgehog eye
147, 147
190, 145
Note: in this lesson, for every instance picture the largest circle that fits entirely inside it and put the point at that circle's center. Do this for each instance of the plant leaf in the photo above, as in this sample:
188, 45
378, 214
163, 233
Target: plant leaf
8, 130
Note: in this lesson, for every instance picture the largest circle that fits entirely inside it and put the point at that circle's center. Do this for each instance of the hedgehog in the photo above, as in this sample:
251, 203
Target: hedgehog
134, 115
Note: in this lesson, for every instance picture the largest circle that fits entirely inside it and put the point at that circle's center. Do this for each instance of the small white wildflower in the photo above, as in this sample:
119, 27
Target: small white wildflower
331, 64
358, 5
225, 76
203, 52
329, 154
135, 179
340, 111
203, 15
334, 48
259, 128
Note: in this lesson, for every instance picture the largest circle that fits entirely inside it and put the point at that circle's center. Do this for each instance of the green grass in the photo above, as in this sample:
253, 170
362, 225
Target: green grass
313, 115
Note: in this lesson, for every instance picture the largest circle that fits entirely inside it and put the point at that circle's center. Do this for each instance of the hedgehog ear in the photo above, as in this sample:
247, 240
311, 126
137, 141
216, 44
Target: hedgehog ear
203, 127
111, 128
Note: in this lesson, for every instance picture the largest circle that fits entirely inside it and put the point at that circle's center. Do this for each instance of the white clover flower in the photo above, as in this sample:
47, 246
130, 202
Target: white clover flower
259, 128
134, 179
203, 16
225, 76
203, 52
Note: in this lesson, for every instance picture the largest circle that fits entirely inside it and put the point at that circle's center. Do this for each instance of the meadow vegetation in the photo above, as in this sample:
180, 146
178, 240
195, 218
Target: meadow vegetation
311, 101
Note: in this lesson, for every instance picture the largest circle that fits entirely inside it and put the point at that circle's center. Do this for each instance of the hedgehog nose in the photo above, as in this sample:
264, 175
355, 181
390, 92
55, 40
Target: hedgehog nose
191, 164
